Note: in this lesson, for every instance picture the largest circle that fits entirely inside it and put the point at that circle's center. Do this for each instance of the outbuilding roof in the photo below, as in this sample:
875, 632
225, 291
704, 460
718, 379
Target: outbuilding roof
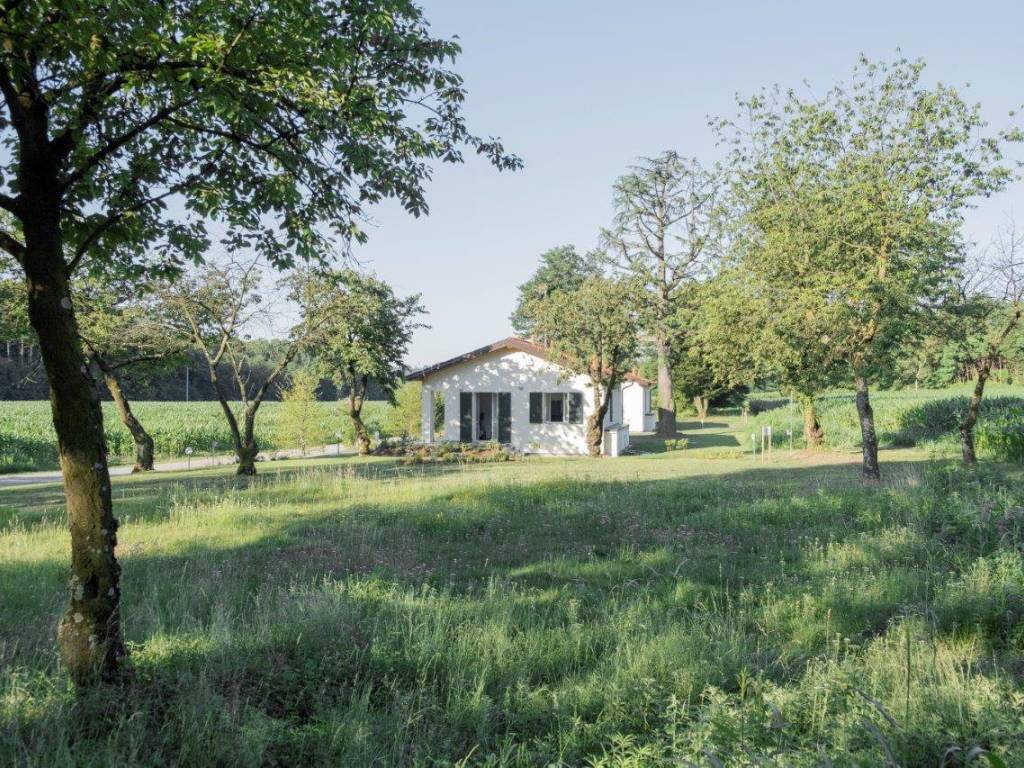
509, 343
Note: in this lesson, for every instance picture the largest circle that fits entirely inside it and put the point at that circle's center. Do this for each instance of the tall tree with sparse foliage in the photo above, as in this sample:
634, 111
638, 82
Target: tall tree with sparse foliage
593, 331
364, 336
666, 232
129, 126
859, 197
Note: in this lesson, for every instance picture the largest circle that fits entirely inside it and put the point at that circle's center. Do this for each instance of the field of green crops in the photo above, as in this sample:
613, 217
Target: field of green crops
923, 418
27, 440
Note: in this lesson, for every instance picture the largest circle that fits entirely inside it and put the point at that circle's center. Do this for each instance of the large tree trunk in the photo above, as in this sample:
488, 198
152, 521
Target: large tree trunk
142, 439
247, 447
362, 435
355, 412
869, 440
814, 435
971, 418
666, 406
89, 634
703, 406
595, 425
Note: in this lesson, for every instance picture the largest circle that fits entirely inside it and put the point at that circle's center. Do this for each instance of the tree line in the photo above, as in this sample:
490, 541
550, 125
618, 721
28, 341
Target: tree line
826, 249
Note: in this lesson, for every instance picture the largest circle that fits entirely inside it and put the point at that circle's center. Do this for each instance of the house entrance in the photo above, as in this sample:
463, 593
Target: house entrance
485, 416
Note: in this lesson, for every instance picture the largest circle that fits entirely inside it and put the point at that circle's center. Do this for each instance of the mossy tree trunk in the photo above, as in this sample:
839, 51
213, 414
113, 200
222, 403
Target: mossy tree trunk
814, 435
89, 635
868, 437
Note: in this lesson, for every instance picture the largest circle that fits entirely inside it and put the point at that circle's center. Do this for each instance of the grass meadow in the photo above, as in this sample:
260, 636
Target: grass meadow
668, 608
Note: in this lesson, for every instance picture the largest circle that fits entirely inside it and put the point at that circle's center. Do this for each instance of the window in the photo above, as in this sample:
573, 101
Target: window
556, 407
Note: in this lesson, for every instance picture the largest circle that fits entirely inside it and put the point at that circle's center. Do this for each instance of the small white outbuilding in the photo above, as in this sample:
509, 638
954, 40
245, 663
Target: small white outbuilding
513, 392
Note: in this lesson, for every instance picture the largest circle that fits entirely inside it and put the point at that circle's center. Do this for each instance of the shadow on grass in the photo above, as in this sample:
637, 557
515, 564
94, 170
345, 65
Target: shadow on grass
349, 592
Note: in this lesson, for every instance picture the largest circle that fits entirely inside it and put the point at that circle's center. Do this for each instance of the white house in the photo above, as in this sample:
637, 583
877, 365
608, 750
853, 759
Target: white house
513, 391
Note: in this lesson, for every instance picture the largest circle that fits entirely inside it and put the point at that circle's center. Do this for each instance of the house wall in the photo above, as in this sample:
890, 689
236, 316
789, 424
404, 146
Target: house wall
519, 373
634, 407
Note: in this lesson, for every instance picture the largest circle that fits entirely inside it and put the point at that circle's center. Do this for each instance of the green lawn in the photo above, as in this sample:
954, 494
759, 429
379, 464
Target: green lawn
649, 610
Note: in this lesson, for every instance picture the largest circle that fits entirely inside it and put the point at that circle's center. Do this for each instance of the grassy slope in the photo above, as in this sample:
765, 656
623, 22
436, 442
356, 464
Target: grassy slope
616, 612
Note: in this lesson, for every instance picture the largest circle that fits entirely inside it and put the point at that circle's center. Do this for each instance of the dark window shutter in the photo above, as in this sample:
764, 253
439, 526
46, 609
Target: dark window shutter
536, 407
466, 417
504, 417
576, 407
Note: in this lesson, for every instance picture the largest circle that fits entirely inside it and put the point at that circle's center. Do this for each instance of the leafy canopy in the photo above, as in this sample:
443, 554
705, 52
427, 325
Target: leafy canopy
852, 204
561, 269
592, 330
364, 330
280, 121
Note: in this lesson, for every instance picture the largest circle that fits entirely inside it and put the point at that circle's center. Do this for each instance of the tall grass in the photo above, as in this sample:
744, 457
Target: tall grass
907, 418
557, 612
27, 439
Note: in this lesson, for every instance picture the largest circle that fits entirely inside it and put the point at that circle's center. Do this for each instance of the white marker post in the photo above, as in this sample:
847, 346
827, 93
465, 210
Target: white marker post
188, 455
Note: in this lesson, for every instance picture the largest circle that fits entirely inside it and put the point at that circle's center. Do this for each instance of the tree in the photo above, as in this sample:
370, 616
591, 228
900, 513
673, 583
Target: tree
405, 416
757, 327
364, 335
707, 362
592, 331
859, 198
993, 305
666, 230
561, 269
128, 127
299, 421
125, 331
217, 307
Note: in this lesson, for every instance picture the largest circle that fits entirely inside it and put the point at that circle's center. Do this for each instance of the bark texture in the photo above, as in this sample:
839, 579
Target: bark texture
702, 406
89, 635
595, 425
869, 440
971, 417
814, 435
666, 405
142, 439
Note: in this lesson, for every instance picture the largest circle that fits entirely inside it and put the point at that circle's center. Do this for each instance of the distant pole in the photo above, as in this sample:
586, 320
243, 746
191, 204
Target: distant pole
186, 383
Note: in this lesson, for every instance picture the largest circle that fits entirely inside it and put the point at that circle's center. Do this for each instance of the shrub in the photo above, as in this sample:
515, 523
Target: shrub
677, 444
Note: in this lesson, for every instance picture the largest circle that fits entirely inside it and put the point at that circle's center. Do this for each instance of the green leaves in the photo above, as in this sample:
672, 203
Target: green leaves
281, 122
852, 205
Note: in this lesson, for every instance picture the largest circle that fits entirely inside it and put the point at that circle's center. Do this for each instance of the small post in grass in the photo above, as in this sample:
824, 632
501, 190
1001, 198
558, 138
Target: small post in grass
213, 452
337, 442
753, 445
188, 457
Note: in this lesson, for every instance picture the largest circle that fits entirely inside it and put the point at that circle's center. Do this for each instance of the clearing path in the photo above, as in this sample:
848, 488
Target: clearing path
174, 465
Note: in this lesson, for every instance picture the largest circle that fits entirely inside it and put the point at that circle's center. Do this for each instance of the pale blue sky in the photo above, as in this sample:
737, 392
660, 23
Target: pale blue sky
579, 89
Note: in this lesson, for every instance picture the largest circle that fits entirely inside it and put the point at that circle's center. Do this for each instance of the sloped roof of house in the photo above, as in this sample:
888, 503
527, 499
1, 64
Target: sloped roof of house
509, 343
